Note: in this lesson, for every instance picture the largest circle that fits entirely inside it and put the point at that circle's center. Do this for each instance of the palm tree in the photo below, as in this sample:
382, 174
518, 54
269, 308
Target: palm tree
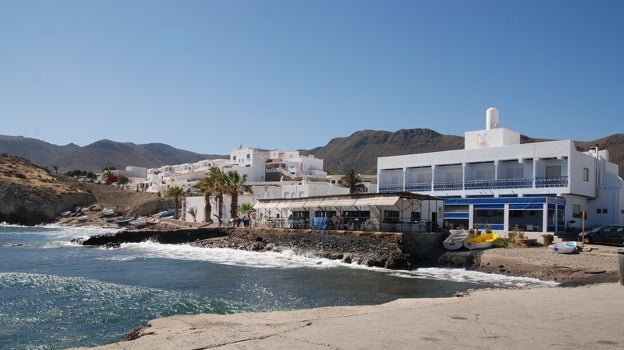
175, 192
235, 185
193, 213
353, 181
246, 208
213, 184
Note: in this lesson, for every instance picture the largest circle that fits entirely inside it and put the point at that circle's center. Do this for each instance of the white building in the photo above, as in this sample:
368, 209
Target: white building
159, 180
271, 174
496, 181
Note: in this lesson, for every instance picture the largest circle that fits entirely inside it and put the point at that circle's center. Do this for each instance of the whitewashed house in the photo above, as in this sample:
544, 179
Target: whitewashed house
271, 174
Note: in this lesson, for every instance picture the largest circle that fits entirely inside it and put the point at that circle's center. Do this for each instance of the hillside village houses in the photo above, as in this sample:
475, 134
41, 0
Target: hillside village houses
499, 183
271, 174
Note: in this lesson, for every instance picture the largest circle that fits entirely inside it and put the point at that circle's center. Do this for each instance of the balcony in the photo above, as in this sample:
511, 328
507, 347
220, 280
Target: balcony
539, 182
448, 186
560, 181
418, 187
391, 188
498, 184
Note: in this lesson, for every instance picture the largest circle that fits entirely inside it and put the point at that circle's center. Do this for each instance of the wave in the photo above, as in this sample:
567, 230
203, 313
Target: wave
290, 260
463, 275
222, 256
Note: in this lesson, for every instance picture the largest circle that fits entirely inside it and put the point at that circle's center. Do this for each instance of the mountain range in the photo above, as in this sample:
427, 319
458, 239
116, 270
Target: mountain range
359, 151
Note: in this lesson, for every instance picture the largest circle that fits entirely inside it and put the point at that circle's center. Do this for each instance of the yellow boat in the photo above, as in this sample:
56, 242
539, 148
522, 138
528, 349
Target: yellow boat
481, 242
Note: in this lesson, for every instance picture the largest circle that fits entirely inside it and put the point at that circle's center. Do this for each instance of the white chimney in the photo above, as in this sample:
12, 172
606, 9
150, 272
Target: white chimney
491, 118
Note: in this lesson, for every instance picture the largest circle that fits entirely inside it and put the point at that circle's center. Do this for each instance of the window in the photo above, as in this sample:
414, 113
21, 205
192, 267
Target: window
485, 174
585, 174
391, 216
415, 216
248, 156
515, 173
601, 211
553, 171
576, 210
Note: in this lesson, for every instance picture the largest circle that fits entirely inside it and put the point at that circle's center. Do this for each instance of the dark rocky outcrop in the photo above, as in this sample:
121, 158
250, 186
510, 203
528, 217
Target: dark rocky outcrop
370, 249
177, 236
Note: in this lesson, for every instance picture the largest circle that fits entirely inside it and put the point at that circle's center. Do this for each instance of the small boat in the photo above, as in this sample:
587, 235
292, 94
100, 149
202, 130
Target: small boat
139, 222
167, 213
152, 221
564, 247
455, 240
125, 221
481, 242
107, 213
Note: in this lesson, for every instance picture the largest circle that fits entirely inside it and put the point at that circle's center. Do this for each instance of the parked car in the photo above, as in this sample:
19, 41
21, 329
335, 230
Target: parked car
609, 234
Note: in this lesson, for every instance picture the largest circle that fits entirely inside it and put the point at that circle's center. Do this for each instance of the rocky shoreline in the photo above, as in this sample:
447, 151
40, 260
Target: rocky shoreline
373, 249
593, 264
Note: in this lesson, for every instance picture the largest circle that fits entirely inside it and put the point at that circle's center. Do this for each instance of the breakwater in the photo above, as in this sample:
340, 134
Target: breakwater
374, 249
177, 236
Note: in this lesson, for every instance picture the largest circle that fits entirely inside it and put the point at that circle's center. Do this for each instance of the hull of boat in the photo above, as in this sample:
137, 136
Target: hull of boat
481, 242
563, 248
455, 240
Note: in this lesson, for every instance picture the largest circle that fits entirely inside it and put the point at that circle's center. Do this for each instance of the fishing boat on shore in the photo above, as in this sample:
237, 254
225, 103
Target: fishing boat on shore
167, 213
152, 221
125, 221
564, 247
138, 222
481, 242
455, 240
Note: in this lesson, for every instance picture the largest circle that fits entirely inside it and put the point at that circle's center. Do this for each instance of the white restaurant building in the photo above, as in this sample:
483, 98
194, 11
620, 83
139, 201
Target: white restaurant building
500, 183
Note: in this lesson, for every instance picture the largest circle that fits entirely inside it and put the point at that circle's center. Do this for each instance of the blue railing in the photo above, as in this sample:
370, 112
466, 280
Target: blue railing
496, 184
390, 188
447, 186
561, 181
418, 187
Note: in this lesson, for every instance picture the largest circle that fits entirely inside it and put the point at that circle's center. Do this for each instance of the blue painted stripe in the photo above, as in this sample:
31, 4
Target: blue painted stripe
456, 215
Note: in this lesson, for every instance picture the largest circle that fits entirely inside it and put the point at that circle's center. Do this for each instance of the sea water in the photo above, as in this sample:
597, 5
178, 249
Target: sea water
56, 294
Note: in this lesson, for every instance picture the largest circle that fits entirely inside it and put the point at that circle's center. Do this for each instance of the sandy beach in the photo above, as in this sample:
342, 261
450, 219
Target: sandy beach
587, 316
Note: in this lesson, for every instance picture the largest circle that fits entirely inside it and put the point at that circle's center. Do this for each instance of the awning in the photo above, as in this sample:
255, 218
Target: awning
297, 204
335, 202
378, 201
345, 202
266, 205
259, 205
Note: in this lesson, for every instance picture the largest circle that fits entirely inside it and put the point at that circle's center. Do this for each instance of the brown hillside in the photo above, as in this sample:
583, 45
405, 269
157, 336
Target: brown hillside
32, 195
360, 150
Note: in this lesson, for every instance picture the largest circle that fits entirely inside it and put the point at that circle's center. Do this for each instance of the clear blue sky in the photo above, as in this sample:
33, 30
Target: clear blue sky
207, 76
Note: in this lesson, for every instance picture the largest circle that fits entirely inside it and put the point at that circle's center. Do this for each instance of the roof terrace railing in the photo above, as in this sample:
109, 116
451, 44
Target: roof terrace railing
560, 181
539, 182
418, 187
